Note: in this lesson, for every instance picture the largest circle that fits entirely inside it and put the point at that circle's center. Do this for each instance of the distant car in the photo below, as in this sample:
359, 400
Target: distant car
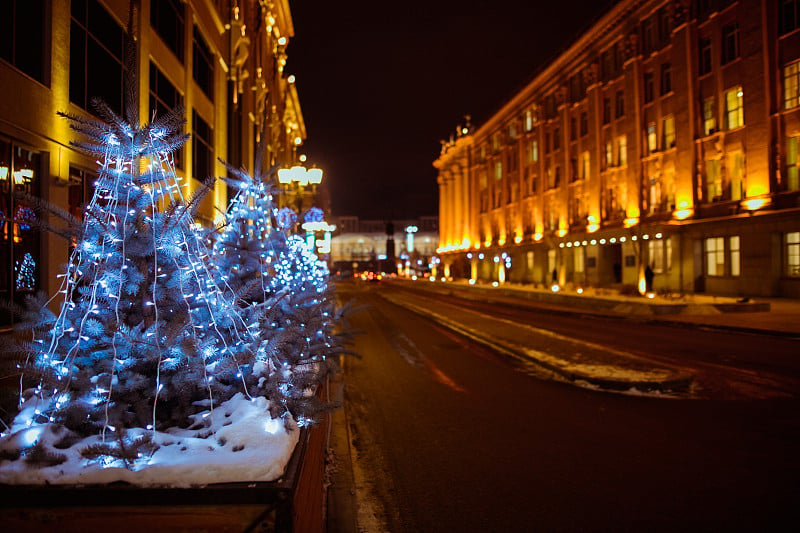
371, 277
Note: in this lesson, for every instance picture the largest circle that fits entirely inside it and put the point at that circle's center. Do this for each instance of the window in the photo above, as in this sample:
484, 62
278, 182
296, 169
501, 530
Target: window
166, 18
80, 190
606, 110
584, 124
528, 120
609, 153
792, 173
23, 37
652, 140
547, 143
164, 97
512, 131
573, 128
789, 20
622, 151
735, 174
97, 46
495, 143
648, 87
648, 35
734, 108
730, 42
709, 117
735, 255
202, 148
705, 56
668, 132
534, 151
579, 259
557, 139
713, 180
791, 85
19, 239
498, 170
792, 251
715, 256
620, 104
659, 254
203, 65
666, 78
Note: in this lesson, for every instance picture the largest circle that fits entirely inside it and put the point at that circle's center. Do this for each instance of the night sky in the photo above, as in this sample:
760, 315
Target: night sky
380, 88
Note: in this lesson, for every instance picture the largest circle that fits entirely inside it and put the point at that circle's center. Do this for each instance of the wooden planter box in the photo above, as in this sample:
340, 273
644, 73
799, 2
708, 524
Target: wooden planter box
293, 503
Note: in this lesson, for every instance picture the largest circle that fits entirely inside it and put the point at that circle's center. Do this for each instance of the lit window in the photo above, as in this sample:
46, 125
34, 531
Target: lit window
735, 170
534, 151
512, 131
792, 173
792, 241
652, 143
735, 255
622, 155
528, 120
709, 117
609, 154
791, 85
498, 170
656, 255
734, 108
668, 132
580, 259
715, 256
713, 180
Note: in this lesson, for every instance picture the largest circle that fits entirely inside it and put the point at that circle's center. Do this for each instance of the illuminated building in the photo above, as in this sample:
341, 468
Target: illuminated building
362, 244
222, 60
666, 135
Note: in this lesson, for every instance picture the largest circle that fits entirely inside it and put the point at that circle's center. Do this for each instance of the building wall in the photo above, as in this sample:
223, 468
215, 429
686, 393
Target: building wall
249, 91
665, 136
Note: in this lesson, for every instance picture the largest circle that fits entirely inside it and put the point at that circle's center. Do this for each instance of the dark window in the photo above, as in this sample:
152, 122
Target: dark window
557, 139
664, 26
606, 110
164, 97
648, 87
620, 104
23, 36
202, 147
666, 78
730, 42
97, 46
19, 238
166, 17
547, 143
573, 129
80, 190
606, 66
584, 124
648, 35
705, 55
203, 69
789, 16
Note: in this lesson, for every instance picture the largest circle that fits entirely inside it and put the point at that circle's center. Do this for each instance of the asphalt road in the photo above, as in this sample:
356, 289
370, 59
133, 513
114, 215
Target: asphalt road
448, 436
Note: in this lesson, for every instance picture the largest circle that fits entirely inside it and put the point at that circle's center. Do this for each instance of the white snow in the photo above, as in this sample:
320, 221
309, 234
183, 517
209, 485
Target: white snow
239, 442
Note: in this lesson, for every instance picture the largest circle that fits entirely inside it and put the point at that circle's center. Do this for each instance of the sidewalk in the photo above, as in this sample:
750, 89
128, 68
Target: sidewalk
771, 316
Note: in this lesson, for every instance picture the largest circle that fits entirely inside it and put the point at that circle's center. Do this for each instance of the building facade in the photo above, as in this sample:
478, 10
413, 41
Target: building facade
665, 137
363, 244
222, 61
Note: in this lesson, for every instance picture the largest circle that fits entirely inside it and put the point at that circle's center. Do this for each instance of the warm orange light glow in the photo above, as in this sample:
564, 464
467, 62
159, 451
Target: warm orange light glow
537, 236
683, 214
591, 228
561, 232
752, 204
631, 221
518, 239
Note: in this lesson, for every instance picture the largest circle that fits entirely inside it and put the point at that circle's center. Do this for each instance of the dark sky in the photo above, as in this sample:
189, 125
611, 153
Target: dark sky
380, 87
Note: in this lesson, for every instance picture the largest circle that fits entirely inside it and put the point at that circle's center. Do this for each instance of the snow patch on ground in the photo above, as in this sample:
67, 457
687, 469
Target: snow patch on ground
238, 442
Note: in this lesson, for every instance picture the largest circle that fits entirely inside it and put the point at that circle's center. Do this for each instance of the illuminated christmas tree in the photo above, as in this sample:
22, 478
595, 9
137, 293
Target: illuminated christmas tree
281, 286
